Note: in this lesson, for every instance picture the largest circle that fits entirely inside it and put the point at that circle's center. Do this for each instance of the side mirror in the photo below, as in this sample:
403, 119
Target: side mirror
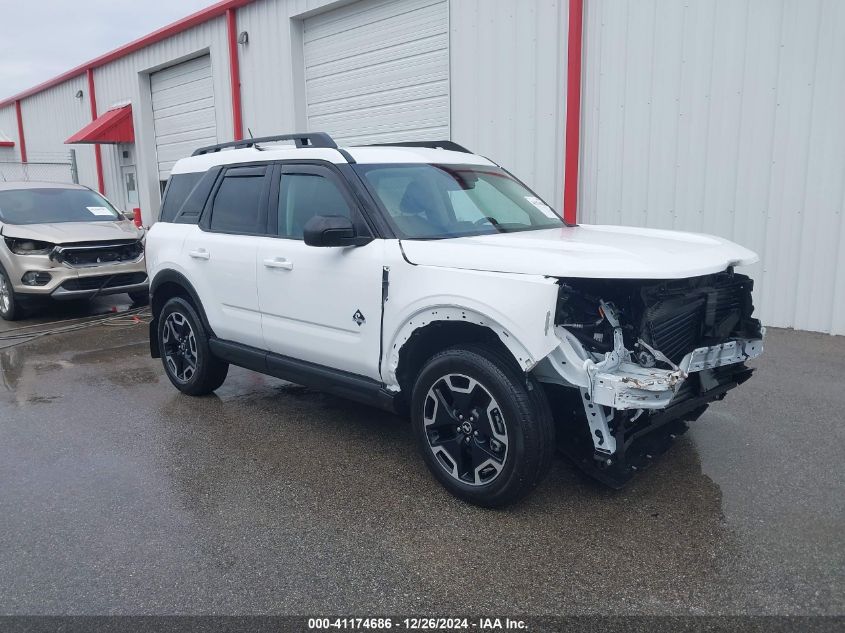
332, 230
129, 215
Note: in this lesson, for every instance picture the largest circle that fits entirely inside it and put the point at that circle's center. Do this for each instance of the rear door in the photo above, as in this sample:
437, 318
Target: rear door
221, 253
319, 304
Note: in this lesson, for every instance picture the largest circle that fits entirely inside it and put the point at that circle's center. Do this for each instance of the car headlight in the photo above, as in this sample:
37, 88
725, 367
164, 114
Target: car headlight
28, 247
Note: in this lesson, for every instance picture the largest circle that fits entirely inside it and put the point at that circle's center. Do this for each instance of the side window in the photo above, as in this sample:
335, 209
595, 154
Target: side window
178, 188
237, 205
304, 195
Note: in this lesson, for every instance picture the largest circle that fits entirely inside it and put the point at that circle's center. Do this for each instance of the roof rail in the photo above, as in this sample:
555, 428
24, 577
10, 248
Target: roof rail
306, 139
449, 145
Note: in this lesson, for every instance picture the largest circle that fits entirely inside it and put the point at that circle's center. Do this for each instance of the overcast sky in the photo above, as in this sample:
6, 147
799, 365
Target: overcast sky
40, 39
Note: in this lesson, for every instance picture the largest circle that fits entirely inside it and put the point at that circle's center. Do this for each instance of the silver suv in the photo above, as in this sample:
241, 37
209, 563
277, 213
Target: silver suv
64, 241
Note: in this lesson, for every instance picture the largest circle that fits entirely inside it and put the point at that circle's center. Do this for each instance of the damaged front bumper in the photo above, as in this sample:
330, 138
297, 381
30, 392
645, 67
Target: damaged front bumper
620, 383
630, 386
616, 390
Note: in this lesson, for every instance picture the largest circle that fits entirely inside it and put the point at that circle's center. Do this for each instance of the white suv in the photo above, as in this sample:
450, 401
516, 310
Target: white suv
427, 280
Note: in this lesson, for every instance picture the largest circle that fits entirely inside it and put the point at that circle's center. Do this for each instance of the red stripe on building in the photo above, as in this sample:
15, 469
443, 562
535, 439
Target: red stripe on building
234, 72
98, 156
21, 137
573, 111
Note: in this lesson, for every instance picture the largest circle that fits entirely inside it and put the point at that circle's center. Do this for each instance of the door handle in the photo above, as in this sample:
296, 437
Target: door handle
200, 253
278, 262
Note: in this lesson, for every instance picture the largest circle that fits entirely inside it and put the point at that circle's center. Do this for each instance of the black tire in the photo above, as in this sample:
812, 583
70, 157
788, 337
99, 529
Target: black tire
516, 460
140, 298
208, 372
10, 308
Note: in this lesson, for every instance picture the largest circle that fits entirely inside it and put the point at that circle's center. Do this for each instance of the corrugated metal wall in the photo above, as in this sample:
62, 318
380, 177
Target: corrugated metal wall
9, 127
9, 156
127, 79
272, 81
50, 117
377, 71
182, 98
726, 117
720, 116
508, 79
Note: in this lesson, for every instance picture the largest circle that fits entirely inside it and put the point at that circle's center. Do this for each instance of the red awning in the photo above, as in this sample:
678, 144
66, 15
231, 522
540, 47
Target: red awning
114, 126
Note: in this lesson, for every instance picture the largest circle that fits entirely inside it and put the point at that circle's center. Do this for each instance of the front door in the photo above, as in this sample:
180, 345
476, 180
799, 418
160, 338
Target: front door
319, 304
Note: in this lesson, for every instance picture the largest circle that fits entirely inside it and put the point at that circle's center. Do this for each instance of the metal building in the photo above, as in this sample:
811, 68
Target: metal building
719, 116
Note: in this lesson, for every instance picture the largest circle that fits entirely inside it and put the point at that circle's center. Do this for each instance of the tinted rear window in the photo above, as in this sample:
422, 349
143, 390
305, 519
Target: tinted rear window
236, 206
178, 188
40, 206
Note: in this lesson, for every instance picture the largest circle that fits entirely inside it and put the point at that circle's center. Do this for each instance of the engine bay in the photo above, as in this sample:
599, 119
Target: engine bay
645, 357
670, 317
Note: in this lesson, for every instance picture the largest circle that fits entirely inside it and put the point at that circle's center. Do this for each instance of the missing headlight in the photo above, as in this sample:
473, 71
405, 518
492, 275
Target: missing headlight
581, 314
28, 247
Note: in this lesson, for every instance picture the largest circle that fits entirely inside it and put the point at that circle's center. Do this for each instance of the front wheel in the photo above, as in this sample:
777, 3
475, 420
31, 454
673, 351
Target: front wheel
10, 309
185, 354
484, 428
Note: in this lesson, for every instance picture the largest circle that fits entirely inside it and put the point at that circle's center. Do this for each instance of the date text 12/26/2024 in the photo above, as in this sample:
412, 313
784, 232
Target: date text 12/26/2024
417, 624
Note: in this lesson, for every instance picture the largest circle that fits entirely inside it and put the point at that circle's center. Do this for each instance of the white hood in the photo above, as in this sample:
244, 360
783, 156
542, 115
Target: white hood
587, 251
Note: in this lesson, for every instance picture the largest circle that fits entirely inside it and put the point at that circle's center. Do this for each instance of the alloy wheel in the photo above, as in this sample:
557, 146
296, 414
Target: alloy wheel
5, 295
180, 347
465, 429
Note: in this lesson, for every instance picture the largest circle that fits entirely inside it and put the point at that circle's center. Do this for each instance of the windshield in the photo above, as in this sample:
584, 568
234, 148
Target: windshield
437, 201
53, 204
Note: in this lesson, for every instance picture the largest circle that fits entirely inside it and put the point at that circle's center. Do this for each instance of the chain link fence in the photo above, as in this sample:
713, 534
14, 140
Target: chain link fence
52, 171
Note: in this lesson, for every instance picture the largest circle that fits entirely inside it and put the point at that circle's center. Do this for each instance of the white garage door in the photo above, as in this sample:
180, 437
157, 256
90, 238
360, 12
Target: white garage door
378, 71
183, 111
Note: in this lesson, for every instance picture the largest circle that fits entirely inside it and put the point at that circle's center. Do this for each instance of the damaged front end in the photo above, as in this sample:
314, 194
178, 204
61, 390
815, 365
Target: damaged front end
646, 356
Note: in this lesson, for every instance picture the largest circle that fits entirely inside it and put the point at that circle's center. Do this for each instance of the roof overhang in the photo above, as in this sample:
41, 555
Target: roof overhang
114, 126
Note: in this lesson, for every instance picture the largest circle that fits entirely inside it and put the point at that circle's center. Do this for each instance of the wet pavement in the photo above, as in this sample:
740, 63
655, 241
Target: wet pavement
118, 495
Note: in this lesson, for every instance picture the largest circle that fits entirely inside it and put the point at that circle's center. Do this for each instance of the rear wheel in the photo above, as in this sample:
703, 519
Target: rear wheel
484, 427
10, 309
185, 353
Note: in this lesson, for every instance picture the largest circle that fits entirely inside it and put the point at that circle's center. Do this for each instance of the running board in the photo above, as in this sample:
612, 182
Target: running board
340, 383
